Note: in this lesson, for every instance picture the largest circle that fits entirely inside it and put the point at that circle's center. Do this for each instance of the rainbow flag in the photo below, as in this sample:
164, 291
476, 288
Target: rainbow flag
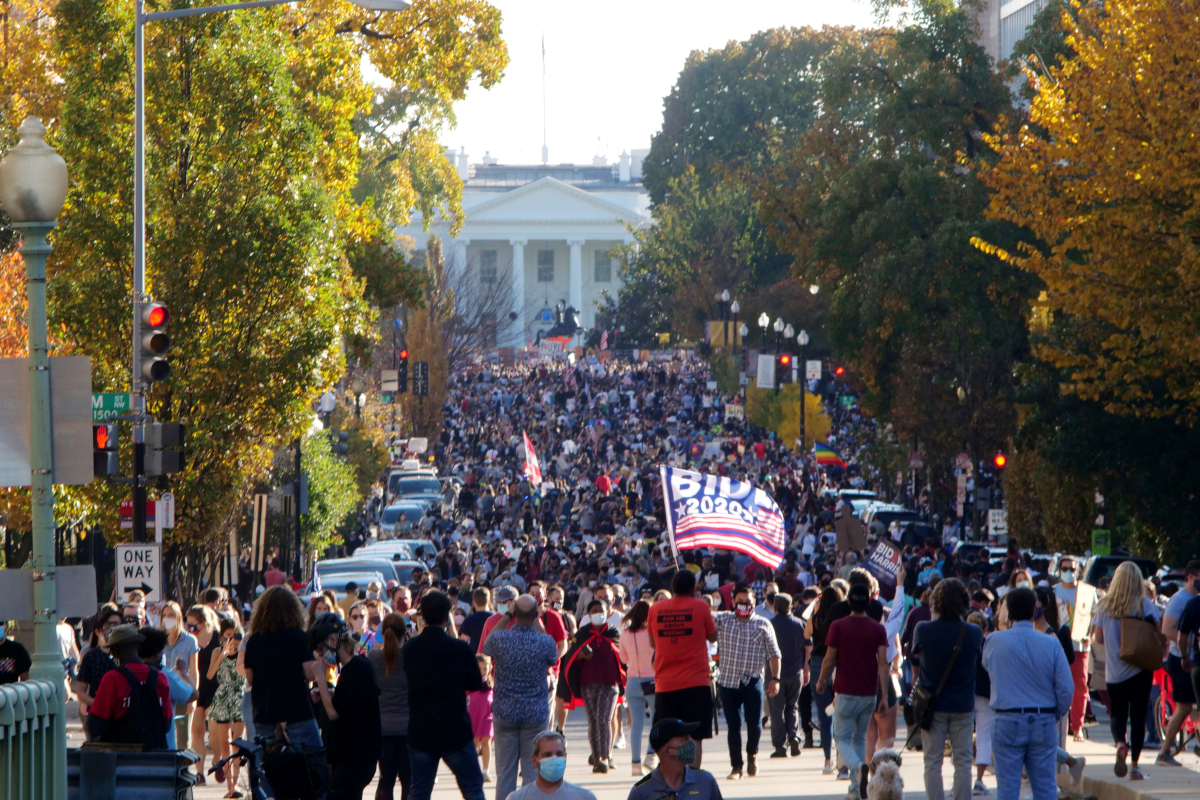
827, 456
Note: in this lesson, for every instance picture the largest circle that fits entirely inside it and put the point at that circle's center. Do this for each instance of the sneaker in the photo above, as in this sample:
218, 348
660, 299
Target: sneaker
1135, 774
864, 775
487, 777
795, 745
844, 774
650, 761
620, 743
735, 775
980, 790
1121, 768
779, 752
1166, 760
1077, 770
827, 769
220, 774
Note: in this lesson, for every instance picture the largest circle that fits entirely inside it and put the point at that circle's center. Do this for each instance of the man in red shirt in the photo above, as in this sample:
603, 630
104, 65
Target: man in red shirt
117, 714
680, 630
857, 646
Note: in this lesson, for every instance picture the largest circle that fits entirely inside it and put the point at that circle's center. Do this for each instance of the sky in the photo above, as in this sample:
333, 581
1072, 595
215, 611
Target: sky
608, 68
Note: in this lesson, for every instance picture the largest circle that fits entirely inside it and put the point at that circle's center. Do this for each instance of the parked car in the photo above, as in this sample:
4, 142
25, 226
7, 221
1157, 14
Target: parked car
887, 513
400, 518
336, 582
1098, 570
360, 563
400, 550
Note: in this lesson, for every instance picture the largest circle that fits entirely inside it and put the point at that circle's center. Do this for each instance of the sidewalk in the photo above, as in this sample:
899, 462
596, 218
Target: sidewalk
1099, 780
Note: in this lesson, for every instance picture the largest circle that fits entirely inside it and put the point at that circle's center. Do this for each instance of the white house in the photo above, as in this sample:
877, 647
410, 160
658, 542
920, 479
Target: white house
548, 229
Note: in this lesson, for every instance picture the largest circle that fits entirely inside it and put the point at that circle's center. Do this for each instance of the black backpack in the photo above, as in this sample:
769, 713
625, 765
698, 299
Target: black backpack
143, 722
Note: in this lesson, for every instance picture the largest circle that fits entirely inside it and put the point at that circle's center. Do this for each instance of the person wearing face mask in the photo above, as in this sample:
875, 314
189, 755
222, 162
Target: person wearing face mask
504, 597
1067, 592
202, 624
1019, 579
674, 776
1182, 690
353, 735
745, 641
96, 660
594, 674
182, 655
550, 761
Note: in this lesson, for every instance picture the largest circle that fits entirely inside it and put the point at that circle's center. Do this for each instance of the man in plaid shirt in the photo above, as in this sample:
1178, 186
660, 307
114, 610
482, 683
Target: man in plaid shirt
745, 641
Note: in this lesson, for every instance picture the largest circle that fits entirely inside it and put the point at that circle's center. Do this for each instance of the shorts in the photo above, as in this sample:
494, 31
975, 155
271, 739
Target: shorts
693, 704
1182, 690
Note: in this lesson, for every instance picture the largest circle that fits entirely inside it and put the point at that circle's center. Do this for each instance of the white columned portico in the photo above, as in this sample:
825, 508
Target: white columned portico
518, 284
459, 254
576, 293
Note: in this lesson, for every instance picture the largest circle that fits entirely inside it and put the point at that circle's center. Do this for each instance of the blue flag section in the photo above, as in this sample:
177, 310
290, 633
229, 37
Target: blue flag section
711, 511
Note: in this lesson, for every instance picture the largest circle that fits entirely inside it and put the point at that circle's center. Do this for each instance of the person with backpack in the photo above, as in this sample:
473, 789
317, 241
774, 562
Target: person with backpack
132, 704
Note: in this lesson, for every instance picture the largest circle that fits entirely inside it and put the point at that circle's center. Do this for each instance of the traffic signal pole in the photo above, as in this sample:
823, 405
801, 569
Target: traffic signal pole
297, 564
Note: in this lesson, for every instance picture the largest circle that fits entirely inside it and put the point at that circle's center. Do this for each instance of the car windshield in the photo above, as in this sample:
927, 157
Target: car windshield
337, 582
382, 565
390, 515
888, 517
403, 486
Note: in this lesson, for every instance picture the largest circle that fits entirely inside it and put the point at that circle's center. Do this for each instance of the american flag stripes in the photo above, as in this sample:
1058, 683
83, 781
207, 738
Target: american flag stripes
604, 340
533, 470
711, 511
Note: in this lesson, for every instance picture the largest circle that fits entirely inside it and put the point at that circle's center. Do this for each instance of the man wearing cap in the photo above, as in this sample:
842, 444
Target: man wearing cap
505, 596
671, 740
109, 718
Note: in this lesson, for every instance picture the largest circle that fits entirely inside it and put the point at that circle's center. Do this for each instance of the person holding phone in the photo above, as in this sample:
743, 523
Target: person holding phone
225, 711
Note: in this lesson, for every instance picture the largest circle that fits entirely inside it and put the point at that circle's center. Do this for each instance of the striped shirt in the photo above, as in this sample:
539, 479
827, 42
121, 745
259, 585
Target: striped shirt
1028, 669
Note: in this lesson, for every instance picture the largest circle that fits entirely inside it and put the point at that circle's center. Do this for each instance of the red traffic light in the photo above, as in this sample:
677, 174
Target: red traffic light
155, 315
101, 434
404, 354
1000, 461
785, 360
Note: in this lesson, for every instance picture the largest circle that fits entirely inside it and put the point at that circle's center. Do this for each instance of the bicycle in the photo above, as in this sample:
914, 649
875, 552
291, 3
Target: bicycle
247, 752
1164, 707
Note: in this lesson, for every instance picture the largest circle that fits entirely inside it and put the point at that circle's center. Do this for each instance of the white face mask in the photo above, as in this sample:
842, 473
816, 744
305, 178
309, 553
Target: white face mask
458, 619
1022, 584
1068, 576
169, 623
597, 619
502, 608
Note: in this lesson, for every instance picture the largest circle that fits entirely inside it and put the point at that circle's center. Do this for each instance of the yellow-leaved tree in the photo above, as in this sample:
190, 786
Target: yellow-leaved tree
1106, 175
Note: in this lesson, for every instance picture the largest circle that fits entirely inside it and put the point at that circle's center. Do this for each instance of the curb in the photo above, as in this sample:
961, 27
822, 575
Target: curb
1123, 790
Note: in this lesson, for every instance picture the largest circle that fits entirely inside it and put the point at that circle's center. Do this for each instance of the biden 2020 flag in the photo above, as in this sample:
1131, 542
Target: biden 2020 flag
711, 511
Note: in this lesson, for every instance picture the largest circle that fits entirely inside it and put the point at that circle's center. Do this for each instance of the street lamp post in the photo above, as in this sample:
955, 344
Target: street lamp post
33, 187
802, 340
725, 318
764, 322
778, 333
734, 308
742, 331
137, 392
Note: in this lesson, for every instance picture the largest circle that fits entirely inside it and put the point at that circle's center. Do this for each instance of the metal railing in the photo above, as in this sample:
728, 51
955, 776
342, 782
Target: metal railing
96, 774
28, 716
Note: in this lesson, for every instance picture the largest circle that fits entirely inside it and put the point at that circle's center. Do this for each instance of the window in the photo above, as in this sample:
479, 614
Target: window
603, 267
545, 266
487, 266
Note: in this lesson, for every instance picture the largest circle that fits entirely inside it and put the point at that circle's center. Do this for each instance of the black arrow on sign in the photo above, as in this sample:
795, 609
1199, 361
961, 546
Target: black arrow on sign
146, 589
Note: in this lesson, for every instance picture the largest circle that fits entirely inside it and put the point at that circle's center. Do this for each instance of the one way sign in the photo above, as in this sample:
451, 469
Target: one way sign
139, 566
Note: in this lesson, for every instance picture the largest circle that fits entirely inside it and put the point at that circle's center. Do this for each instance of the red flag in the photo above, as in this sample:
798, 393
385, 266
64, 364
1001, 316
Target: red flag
533, 470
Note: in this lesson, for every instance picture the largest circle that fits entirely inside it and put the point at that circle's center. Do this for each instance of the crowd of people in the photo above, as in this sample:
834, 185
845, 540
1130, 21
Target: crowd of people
543, 600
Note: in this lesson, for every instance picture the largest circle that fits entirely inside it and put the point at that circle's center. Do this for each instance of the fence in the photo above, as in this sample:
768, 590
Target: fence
28, 735
95, 774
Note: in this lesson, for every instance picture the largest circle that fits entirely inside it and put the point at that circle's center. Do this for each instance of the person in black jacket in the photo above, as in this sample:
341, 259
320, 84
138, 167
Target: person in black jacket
441, 670
353, 734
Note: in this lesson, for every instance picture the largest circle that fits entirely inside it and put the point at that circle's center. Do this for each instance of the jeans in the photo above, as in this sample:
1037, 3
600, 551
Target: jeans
1127, 700
783, 711
958, 726
514, 746
851, 715
347, 779
822, 701
639, 704
806, 702
745, 697
248, 716
1029, 741
464, 763
307, 737
393, 764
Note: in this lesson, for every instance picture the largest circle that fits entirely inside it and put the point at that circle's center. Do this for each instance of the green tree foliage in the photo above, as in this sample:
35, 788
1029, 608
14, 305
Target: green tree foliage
333, 492
879, 203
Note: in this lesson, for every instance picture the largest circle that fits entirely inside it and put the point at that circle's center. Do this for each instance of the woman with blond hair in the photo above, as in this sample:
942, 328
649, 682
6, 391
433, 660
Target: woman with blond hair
1128, 685
182, 655
202, 624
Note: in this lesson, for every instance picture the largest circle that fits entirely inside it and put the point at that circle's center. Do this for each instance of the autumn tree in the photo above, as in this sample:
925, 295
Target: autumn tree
1105, 179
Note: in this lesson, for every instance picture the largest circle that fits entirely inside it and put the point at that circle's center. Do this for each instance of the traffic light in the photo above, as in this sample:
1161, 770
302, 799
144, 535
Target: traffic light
402, 372
160, 459
783, 368
104, 449
341, 443
155, 341
1000, 461
839, 372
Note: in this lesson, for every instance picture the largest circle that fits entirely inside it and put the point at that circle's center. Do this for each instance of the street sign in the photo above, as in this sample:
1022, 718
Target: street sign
420, 379
106, 405
997, 522
127, 513
1101, 542
139, 566
915, 459
166, 507
389, 380
848, 400
962, 461
812, 370
766, 372
70, 407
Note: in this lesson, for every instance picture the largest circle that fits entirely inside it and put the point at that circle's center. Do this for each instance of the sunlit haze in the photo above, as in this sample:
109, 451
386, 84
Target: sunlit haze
608, 67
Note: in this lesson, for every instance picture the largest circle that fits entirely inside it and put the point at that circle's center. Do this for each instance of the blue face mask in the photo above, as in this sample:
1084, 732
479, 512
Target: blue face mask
330, 658
686, 752
552, 768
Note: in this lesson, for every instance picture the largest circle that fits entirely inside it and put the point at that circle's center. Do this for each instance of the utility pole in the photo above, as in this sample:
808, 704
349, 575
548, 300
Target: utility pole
297, 564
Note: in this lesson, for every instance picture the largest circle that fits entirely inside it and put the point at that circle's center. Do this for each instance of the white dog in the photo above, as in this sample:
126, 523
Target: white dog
886, 783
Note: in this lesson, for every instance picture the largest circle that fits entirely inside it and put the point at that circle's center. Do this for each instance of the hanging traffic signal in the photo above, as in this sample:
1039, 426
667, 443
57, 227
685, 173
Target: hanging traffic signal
160, 458
341, 443
402, 371
1001, 461
839, 371
783, 368
155, 341
104, 449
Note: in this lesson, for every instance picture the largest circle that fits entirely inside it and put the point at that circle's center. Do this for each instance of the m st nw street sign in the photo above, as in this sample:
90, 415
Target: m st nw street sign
106, 405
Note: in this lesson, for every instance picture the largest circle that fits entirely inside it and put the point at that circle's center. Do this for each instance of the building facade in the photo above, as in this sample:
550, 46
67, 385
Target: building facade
542, 235
1002, 23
